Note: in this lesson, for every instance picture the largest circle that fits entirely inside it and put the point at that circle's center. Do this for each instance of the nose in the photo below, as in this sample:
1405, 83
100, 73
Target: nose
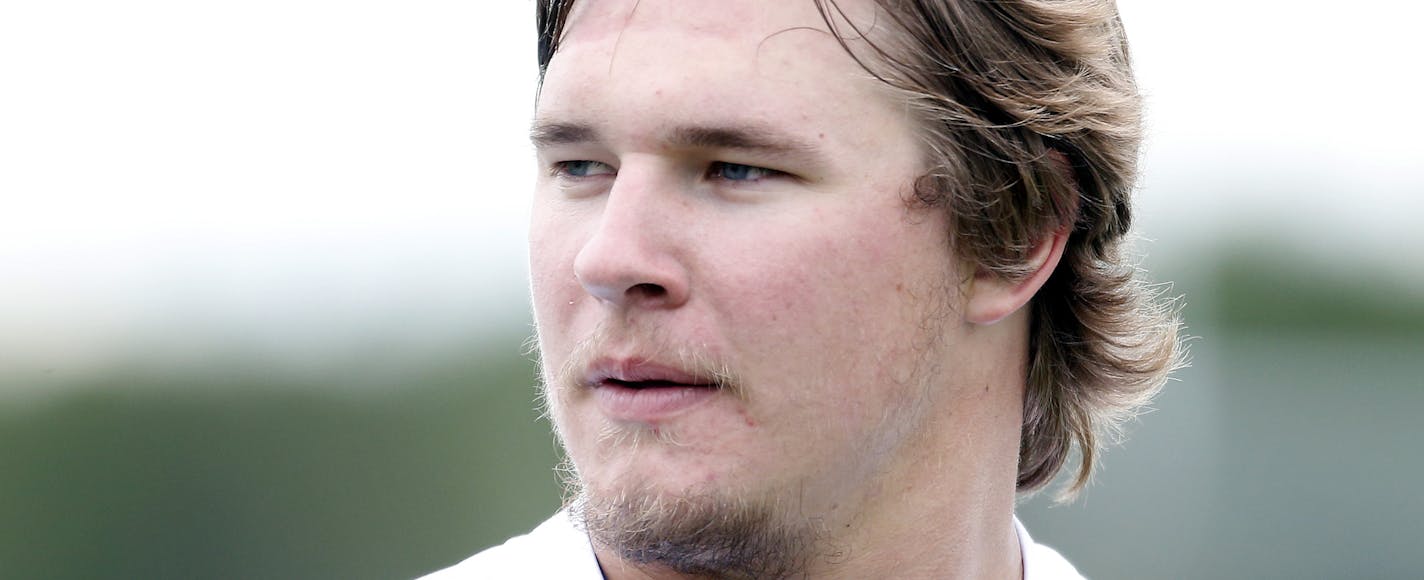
631, 260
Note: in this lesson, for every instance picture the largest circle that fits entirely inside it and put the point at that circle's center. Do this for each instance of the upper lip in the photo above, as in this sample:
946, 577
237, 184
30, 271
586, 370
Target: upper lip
636, 370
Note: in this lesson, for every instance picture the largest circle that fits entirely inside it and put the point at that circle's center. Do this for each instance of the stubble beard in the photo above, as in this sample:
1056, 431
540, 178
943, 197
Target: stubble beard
706, 532
720, 532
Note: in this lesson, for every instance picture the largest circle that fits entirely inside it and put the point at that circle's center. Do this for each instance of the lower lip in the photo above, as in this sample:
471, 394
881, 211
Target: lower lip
649, 405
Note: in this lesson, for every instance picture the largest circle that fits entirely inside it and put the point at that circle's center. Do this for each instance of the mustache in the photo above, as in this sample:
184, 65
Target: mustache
649, 344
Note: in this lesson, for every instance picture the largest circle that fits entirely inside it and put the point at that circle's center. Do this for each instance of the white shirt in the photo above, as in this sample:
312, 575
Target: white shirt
558, 550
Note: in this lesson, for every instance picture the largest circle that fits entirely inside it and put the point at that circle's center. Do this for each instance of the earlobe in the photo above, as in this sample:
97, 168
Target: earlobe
993, 297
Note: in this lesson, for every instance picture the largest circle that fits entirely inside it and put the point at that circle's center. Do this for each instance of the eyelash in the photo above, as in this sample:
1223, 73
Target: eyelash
718, 167
717, 170
563, 168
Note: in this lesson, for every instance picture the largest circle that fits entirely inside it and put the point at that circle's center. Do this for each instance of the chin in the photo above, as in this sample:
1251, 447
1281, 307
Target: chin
661, 460
703, 448
659, 520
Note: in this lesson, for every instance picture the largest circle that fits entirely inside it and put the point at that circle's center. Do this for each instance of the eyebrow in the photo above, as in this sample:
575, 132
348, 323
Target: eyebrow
551, 134
743, 137
749, 137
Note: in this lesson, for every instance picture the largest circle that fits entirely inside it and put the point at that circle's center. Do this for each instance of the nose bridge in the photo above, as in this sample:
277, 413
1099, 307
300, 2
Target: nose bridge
631, 258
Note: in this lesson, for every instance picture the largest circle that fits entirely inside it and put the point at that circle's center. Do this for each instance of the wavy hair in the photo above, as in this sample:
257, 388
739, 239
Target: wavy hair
1031, 120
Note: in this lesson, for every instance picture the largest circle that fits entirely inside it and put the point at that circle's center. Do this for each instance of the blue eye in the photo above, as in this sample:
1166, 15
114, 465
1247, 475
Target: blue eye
739, 172
582, 168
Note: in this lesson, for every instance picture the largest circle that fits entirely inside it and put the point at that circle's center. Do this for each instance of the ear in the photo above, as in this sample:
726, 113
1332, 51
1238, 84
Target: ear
993, 297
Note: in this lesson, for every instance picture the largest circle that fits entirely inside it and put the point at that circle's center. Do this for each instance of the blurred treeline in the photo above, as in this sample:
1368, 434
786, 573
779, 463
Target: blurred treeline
241, 472
1288, 450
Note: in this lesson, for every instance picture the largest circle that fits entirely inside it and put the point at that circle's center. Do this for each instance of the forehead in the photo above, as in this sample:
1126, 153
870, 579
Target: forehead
758, 60
727, 19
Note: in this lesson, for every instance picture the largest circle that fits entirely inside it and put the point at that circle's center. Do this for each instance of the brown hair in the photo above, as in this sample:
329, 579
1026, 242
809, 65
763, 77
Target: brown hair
1032, 122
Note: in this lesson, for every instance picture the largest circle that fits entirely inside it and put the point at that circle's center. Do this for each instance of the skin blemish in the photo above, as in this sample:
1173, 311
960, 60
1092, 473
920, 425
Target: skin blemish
742, 410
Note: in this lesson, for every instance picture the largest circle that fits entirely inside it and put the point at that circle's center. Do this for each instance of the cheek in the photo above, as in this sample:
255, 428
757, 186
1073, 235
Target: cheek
554, 291
550, 277
841, 305
851, 280
835, 336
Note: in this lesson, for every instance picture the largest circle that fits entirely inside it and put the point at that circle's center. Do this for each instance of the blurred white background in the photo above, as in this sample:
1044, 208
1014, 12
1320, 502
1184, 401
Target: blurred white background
286, 177
294, 176
250, 199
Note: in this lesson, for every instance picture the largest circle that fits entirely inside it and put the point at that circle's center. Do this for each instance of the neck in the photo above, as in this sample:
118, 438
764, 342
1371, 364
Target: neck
945, 509
942, 509
943, 505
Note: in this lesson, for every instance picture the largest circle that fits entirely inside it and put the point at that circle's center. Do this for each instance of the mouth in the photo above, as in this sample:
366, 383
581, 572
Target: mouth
653, 384
640, 391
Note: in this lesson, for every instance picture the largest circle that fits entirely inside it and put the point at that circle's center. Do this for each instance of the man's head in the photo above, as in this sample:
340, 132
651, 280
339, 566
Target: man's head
801, 267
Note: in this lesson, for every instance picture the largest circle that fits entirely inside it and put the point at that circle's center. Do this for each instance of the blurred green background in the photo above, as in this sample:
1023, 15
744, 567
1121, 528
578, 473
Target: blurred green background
1288, 450
263, 314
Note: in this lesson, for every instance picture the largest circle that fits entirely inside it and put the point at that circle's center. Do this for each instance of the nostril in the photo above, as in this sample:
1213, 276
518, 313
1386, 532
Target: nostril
648, 290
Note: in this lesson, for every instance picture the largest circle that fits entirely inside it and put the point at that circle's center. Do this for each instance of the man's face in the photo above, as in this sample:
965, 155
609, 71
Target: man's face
735, 304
